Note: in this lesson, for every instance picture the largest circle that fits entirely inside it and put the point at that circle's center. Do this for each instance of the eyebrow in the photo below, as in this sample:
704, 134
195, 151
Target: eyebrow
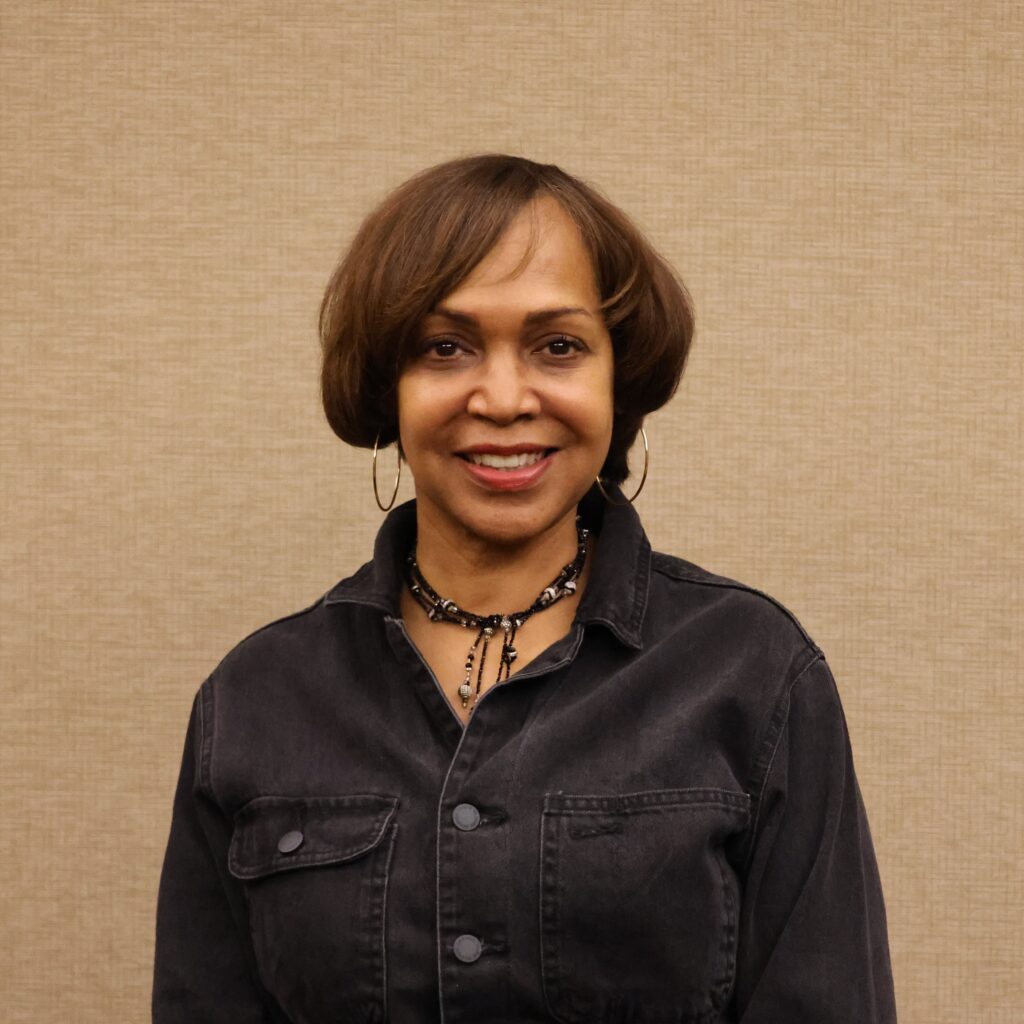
538, 316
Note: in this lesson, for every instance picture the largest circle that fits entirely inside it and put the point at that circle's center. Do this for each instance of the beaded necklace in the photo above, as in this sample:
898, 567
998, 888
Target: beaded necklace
438, 607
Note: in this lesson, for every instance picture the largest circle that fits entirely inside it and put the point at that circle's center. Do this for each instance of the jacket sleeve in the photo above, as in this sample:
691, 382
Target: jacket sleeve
812, 944
203, 970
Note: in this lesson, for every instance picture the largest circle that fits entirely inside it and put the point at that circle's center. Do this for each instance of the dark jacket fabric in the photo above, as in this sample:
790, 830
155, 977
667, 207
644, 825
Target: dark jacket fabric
656, 821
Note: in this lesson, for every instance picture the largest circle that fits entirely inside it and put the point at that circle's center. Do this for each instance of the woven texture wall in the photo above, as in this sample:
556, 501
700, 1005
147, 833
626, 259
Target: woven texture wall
839, 184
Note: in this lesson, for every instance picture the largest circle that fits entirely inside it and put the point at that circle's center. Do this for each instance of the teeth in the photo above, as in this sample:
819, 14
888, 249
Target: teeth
505, 461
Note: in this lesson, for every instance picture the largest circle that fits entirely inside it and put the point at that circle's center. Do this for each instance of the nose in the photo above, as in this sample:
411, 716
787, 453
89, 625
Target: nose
502, 390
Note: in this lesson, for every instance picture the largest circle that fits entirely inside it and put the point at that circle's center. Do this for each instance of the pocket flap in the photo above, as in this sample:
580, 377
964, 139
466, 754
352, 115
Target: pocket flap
278, 833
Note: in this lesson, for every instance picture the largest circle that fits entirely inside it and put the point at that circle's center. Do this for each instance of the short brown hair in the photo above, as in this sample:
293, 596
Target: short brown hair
430, 232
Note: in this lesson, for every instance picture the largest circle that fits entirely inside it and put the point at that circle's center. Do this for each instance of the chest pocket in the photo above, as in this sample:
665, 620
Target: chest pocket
639, 905
315, 872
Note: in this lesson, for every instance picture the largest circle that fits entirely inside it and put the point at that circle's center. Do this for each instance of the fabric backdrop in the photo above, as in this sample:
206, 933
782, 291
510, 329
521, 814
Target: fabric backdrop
838, 183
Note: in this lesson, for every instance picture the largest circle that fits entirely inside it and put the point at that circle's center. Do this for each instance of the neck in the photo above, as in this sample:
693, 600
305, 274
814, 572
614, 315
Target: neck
487, 578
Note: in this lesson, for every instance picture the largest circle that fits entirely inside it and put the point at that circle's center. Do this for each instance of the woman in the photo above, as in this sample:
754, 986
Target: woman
518, 767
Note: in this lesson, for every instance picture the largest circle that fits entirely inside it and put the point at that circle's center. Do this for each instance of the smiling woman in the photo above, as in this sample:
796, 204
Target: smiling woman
518, 767
426, 246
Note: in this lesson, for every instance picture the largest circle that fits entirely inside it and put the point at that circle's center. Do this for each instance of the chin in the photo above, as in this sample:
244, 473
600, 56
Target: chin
511, 522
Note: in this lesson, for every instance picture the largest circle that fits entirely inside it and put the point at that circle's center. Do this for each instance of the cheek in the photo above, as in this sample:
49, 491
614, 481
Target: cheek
410, 426
589, 415
414, 407
425, 411
599, 421
596, 408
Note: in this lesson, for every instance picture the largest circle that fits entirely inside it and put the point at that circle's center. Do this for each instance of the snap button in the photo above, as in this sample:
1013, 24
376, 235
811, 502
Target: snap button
467, 948
289, 842
466, 817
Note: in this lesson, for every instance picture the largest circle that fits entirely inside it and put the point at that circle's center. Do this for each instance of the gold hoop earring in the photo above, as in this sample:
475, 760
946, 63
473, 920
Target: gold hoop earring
398, 476
643, 478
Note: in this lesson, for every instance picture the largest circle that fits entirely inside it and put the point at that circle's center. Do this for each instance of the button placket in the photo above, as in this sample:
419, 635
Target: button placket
469, 858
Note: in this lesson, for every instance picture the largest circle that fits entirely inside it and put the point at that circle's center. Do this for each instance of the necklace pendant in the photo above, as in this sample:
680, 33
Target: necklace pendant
439, 608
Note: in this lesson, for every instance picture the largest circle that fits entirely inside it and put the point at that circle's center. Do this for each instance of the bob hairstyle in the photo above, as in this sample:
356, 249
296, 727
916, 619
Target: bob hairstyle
426, 237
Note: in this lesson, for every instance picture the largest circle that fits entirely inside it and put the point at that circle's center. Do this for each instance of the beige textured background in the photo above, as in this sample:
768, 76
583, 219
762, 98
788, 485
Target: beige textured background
839, 185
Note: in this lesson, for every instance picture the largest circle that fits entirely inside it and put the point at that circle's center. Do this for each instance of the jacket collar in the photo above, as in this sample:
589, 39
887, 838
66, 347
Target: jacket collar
616, 594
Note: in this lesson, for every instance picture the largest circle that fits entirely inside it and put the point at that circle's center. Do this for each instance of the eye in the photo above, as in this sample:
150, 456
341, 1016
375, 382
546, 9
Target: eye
563, 346
442, 348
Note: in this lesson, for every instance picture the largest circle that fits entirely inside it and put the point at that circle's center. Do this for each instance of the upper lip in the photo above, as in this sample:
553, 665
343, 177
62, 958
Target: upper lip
503, 449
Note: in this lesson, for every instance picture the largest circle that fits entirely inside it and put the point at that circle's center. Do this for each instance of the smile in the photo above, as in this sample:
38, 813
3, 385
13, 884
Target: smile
507, 471
504, 461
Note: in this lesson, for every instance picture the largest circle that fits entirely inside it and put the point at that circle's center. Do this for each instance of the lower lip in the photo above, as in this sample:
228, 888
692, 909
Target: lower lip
507, 479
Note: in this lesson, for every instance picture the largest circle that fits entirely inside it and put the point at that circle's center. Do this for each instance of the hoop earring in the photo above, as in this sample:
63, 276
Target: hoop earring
643, 478
398, 476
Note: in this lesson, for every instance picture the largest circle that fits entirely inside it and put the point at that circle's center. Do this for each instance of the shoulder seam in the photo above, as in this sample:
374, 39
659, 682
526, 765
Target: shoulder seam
259, 629
724, 583
277, 621
204, 744
778, 722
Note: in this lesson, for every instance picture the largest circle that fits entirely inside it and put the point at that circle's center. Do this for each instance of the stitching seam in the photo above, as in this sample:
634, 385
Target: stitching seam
786, 697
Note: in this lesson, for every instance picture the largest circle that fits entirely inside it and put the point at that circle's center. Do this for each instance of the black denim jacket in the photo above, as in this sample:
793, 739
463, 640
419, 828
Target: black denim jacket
657, 820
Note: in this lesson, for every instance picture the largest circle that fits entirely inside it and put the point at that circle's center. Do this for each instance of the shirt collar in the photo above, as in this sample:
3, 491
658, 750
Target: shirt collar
616, 593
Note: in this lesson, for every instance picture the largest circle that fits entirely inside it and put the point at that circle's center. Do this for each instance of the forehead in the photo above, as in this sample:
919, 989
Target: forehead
540, 250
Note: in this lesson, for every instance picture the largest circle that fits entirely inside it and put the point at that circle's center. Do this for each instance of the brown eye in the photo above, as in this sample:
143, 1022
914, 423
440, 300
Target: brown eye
563, 346
443, 347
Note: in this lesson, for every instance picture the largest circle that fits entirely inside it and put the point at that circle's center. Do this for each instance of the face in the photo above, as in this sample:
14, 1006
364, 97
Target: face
505, 411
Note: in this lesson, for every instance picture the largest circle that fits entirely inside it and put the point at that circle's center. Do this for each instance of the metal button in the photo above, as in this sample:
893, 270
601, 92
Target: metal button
290, 842
467, 948
466, 817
